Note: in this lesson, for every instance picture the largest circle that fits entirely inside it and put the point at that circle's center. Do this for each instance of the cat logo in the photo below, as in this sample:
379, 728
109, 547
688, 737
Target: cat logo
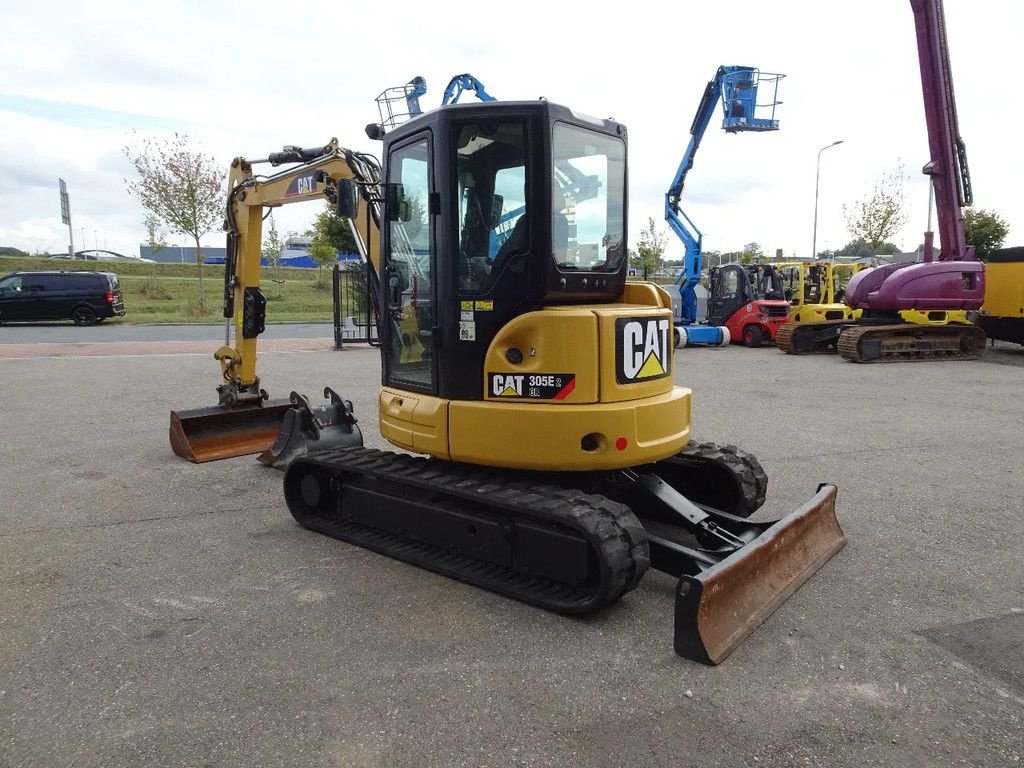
507, 385
642, 349
302, 185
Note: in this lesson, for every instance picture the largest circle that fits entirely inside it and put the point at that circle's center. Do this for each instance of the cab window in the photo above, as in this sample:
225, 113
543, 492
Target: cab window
588, 193
490, 163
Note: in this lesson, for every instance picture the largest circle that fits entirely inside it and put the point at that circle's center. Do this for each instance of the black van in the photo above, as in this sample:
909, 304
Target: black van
84, 297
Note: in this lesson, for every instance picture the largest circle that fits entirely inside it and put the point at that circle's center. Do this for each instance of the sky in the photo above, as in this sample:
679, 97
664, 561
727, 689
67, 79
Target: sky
79, 81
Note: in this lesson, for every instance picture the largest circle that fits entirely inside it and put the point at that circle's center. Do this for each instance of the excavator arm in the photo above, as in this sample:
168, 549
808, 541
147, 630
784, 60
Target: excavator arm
245, 420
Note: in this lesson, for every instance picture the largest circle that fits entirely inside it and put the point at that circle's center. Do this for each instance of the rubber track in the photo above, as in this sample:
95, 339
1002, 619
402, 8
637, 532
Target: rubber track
786, 336
849, 342
613, 531
745, 467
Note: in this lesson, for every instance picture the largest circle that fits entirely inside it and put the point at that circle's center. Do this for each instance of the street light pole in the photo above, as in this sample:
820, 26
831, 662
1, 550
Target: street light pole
817, 180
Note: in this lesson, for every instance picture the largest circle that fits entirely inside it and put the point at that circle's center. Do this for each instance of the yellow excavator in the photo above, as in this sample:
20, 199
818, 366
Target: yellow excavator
546, 449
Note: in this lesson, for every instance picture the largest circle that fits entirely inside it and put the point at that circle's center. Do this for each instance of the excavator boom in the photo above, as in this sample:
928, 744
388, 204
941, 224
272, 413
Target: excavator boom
245, 420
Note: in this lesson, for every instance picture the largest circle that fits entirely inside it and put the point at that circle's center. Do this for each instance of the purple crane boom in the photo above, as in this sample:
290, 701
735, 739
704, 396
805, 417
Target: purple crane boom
948, 170
955, 282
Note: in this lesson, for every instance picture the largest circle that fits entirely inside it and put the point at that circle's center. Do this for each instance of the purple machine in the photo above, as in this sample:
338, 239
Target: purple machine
955, 281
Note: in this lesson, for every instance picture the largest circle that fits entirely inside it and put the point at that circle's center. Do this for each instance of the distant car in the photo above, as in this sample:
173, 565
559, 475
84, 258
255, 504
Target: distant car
102, 255
82, 297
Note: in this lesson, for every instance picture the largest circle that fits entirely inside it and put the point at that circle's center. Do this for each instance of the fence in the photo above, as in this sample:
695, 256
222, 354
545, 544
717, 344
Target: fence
355, 320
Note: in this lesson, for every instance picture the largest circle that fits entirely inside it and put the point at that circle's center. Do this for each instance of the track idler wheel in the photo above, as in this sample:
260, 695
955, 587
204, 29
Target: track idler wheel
719, 476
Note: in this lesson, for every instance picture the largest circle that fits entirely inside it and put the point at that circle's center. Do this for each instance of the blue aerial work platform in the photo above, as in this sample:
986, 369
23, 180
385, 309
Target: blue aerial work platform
737, 88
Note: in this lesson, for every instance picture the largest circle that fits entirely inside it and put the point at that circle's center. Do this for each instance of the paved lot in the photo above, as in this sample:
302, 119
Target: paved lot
68, 333
158, 613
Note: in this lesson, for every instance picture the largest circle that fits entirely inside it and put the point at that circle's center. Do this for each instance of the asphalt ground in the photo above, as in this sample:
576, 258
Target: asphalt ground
67, 333
158, 613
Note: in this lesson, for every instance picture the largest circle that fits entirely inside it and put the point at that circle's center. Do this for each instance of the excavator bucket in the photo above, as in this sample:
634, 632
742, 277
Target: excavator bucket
719, 606
308, 428
219, 432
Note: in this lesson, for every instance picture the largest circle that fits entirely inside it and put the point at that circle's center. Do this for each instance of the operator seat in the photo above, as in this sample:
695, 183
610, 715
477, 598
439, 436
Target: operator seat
517, 242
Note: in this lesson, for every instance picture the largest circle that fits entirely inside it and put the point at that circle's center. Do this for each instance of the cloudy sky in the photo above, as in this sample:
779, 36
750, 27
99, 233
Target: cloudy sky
78, 79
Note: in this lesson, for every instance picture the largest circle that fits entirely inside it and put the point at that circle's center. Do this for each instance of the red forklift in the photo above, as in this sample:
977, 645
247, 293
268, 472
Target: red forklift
749, 300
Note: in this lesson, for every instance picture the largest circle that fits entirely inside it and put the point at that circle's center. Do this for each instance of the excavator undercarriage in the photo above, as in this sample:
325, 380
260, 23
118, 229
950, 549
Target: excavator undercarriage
575, 542
907, 341
893, 341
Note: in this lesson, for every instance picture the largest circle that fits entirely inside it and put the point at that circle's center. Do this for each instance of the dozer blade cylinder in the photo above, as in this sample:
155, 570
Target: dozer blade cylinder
211, 434
720, 606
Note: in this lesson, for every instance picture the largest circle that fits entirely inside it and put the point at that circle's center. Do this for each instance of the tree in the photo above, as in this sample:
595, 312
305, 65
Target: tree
881, 214
323, 253
273, 246
857, 249
711, 259
985, 230
751, 253
154, 237
333, 229
180, 187
650, 249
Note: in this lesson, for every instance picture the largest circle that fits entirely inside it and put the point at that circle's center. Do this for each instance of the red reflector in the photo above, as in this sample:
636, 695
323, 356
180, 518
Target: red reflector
621, 443
110, 297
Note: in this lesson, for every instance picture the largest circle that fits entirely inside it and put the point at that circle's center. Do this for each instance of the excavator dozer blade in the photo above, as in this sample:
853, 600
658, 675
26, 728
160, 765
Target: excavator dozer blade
720, 606
211, 434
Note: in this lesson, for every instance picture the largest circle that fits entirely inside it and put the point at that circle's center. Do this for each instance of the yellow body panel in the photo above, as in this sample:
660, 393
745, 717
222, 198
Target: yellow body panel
558, 340
621, 410
550, 437
415, 422
820, 313
655, 370
935, 317
1004, 289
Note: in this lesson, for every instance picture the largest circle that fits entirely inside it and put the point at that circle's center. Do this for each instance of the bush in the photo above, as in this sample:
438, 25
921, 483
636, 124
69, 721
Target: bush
152, 289
193, 309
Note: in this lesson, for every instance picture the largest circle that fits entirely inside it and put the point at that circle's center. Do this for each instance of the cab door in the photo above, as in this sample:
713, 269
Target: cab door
408, 270
727, 293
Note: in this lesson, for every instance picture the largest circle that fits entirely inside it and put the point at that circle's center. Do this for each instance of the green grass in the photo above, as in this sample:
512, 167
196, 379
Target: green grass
169, 293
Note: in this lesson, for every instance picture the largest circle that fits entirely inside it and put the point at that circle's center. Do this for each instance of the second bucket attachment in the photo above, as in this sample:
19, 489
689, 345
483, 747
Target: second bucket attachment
307, 428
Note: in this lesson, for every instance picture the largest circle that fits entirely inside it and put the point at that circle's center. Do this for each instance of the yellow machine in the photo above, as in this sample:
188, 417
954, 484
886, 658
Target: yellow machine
1002, 314
537, 381
814, 288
